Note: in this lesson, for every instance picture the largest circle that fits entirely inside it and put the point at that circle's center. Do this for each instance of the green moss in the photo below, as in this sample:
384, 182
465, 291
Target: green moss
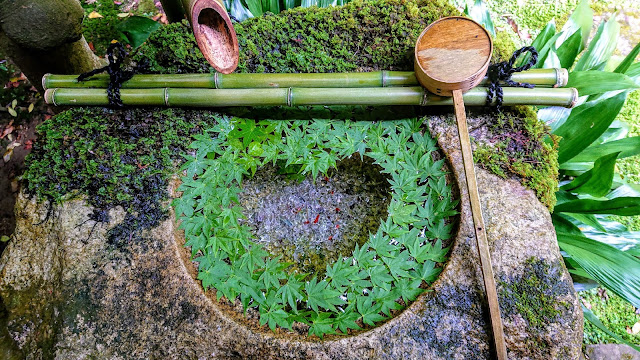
534, 294
614, 312
519, 150
361, 36
115, 157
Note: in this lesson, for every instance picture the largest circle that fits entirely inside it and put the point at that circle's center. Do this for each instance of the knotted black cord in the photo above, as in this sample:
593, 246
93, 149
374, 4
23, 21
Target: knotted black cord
502, 71
117, 75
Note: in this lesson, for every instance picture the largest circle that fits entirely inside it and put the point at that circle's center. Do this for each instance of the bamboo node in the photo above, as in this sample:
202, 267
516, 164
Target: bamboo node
289, 97
216, 81
166, 96
384, 78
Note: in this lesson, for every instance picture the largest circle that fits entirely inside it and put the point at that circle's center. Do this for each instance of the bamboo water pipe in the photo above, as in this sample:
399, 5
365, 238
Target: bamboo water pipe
410, 95
538, 77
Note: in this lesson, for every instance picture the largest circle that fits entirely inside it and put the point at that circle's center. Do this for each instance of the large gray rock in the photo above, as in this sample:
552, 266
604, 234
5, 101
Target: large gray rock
72, 294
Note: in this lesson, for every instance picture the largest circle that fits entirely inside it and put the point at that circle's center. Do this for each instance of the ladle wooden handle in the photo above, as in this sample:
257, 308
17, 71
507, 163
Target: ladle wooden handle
478, 221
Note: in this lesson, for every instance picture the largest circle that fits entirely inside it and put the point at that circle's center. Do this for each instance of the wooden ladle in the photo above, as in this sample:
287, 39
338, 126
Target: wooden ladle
452, 56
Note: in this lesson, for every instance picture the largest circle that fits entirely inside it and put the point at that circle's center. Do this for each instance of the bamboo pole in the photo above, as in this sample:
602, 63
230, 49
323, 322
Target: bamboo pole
414, 95
538, 77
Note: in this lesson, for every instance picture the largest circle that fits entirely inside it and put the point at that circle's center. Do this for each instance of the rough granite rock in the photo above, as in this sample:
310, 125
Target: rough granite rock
72, 294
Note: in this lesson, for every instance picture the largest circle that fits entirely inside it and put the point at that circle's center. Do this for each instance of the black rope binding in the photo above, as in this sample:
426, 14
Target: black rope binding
117, 75
502, 71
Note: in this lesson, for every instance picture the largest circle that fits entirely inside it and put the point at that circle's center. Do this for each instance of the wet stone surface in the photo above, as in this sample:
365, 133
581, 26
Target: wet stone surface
328, 217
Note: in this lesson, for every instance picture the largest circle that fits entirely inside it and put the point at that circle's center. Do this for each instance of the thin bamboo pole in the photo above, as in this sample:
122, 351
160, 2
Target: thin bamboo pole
538, 77
306, 96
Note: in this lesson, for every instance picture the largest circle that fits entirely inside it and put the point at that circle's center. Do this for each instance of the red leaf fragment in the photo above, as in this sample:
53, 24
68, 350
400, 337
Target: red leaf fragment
317, 218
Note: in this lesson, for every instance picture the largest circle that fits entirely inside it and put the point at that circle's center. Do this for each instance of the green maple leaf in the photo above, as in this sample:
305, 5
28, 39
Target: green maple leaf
347, 320
428, 272
400, 213
322, 324
400, 265
409, 289
340, 274
369, 312
291, 292
319, 294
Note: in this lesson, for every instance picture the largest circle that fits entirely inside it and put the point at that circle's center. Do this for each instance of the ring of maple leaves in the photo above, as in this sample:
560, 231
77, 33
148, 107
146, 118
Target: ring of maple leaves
361, 289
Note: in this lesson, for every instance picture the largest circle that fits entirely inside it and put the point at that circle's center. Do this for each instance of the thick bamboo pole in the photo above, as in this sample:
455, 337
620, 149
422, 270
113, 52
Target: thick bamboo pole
413, 95
538, 77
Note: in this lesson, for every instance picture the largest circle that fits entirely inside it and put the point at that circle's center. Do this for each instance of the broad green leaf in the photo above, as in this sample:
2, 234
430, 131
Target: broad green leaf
552, 60
612, 268
628, 60
627, 147
585, 219
541, 40
592, 318
562, 224
601, 46
554, 116
137, 29
569, 49
581, 19
479, 13
585, 124
596, 82
597, 181
255, 6
623, 206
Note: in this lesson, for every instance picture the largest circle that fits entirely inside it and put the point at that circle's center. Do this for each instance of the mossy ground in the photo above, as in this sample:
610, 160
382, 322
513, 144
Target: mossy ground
116, 158
614, 312
517, 148
533, 295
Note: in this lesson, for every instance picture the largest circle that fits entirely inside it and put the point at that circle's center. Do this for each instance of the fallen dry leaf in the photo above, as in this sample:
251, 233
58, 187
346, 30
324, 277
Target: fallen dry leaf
28, 144
636, 328
7, 155
14, 186
123, 15
30, 109
95, 15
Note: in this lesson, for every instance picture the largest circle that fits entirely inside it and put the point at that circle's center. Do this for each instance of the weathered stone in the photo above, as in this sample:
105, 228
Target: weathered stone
611, 351
71, 293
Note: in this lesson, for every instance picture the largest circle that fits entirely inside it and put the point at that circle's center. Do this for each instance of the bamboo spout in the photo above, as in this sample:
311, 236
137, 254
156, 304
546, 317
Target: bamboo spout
214, 33
212, 29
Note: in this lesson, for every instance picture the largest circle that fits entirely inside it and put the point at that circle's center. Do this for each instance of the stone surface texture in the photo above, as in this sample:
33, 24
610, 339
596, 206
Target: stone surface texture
610, 351
72, 294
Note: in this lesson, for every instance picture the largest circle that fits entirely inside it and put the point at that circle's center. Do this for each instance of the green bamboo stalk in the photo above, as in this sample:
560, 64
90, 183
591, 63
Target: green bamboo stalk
305, 96
538, 77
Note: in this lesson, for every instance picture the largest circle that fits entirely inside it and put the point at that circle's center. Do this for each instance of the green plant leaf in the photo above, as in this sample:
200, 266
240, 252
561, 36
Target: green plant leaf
585, 124
480, 14
137, 29
623, 206
592, 318
581, 19
596, 82
597, 181
612, 268
569, 49
541, 40
626, 147
601, 46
